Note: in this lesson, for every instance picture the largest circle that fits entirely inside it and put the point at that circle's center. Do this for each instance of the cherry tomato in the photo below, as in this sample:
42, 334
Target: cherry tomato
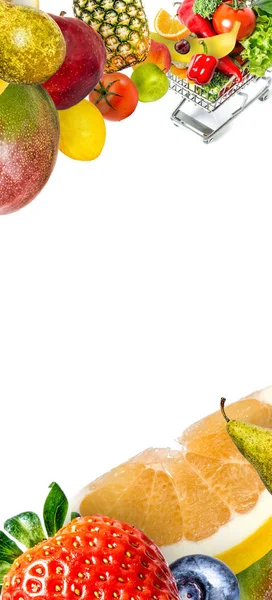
224, 17
116, 96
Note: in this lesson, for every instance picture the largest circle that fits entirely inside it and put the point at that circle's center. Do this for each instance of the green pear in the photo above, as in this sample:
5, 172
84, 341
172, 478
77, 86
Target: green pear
32, 47
255, 443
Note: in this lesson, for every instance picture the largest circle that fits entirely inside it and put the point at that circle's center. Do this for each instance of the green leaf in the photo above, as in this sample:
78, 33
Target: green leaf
25, 528
258, 47
265, 5
9, 551
55, 509
4, 568
74, 515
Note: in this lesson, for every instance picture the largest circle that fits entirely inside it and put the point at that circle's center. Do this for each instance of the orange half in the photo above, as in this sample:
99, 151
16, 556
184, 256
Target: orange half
169, 27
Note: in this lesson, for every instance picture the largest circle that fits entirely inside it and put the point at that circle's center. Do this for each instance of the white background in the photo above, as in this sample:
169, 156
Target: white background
135, 291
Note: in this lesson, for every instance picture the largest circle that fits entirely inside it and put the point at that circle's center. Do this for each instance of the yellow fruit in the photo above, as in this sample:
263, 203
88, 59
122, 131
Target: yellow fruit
217, 45
3, 86
202, 498
33, 3
169, 27
82, 131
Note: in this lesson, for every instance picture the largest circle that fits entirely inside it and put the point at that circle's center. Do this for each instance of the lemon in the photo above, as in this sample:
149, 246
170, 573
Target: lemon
32, 3
82, 131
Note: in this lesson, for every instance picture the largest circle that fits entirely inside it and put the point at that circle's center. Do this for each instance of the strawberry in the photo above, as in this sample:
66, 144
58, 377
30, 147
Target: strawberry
91, 558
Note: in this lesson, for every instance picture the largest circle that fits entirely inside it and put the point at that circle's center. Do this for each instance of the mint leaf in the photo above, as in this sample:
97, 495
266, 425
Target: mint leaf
55, 509
25, 528
9, 551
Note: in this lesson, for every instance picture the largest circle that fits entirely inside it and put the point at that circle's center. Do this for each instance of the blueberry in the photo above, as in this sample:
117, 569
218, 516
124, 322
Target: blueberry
200, 577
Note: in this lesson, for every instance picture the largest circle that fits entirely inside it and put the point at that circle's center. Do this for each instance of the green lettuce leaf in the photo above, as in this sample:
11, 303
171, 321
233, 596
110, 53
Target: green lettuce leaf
258, 47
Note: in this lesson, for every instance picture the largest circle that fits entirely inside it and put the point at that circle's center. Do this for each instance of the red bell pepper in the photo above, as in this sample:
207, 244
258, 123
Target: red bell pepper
195, 23
201, 68
228, 67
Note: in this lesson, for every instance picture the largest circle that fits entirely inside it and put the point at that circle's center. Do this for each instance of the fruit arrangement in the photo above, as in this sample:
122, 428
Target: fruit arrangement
129, 539
77, 61
58, 85
99, 557
213, 42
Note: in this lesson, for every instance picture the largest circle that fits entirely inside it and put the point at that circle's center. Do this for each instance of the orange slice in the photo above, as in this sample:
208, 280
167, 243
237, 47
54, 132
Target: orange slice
169, 27
181, 73
202, 497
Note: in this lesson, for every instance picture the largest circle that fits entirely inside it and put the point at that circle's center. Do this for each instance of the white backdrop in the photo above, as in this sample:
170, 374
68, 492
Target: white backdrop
135, 291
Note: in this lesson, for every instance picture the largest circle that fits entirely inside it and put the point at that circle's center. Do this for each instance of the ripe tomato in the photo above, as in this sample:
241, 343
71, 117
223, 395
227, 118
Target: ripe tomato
224, 17
116, 96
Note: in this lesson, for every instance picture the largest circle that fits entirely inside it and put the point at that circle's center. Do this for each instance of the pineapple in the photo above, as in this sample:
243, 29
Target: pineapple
123, 27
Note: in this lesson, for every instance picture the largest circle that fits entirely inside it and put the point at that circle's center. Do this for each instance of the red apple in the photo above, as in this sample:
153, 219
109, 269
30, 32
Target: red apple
158, 55
83, 66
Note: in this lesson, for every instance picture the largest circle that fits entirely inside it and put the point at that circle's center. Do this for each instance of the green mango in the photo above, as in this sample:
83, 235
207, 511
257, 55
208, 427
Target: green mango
29, 141
256, 581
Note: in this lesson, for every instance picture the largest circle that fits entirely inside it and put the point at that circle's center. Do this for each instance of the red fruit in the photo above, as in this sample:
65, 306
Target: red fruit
29, 141
92, 557
83, 66
225, 16
116, 96
159, 55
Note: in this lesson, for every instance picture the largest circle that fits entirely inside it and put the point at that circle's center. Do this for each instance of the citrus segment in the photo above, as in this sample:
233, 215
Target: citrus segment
169, 27
250, 550
181, 73
203, 498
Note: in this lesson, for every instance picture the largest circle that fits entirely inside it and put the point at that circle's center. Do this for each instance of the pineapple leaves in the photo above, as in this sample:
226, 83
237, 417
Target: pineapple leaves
55, 509
25, 528
74, 515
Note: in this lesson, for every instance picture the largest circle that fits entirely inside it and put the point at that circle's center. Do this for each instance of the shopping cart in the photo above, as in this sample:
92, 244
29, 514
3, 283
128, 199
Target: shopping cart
196, 110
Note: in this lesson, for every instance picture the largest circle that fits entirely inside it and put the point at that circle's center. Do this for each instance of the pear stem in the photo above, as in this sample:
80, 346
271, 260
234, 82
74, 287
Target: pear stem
222, 404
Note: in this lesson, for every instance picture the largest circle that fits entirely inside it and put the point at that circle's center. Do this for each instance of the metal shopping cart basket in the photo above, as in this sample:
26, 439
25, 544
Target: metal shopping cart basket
196, 110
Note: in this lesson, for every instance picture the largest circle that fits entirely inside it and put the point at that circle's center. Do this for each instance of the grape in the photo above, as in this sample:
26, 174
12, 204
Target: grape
182, 47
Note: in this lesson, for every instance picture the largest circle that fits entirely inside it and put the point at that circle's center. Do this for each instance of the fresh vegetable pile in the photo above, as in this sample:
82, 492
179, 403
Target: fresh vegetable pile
220, 40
